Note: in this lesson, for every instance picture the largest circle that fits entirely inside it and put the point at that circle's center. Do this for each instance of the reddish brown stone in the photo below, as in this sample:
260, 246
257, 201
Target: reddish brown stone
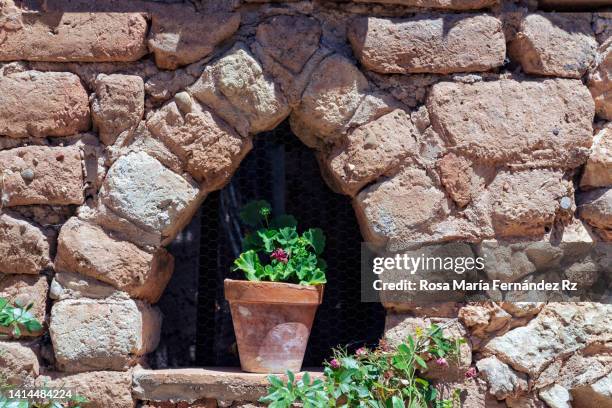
85, 248
42, 104
24, 248
598, 169
448, 43
75, 36
42, 175
180, 35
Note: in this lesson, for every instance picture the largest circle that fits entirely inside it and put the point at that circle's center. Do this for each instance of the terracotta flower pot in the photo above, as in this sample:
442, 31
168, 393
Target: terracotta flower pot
272, 322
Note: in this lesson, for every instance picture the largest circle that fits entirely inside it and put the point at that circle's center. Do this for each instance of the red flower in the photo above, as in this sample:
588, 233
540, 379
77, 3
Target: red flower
335, 364
361, 352
280, 255
471, 372
442, 362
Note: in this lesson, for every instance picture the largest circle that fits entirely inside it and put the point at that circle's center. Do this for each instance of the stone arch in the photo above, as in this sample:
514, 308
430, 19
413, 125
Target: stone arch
452, 154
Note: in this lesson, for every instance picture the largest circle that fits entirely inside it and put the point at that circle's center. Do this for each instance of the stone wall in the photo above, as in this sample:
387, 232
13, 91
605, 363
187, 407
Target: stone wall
472, 120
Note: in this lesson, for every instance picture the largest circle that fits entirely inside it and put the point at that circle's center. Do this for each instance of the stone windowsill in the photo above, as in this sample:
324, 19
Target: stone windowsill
192, 384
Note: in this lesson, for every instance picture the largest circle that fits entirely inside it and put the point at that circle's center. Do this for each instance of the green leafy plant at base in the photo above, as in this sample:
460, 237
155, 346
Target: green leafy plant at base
379, 378
287, 255
18, 317
73, 402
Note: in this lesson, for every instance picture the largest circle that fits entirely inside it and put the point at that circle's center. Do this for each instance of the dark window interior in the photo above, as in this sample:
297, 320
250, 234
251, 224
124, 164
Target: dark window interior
283, 171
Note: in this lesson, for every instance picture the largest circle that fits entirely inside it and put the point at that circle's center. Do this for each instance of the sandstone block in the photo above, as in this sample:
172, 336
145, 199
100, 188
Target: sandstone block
503, 381
24, 290
405, 207
559, 328
210, 149
556, 396
140, 189
332, 96
595, 207
598, 394
371, 151
290, 40
75, 36
42, 175
438, 4
102, 389
72, 285
42, 104
86, 249
118, 105
473, 393
448, 43
600, 81
462, 179
526, 202
546, 122
109, 334
598, 169
239, 91
556, 44
180, 35
24, 248
18, 364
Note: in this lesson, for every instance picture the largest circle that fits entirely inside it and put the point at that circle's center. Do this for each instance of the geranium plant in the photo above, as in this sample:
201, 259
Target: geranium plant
275, 251
379, 378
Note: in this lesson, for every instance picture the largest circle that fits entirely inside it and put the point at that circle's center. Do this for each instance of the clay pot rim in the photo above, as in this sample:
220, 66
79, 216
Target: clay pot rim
245, 291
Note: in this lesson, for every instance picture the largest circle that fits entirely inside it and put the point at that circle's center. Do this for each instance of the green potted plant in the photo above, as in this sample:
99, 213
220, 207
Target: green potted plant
273, 309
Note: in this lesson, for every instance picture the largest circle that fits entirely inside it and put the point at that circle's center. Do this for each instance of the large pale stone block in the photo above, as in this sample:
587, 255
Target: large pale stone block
103, 334
595, 207
600, 81
18, 364
141, 190
598, 169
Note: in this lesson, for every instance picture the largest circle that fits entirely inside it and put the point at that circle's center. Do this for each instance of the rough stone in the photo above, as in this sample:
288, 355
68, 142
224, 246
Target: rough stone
26, 290
557, 44
526, 202
372, 150
42, 104
140, 189
118, 105
193, 384
399, 326
210, 149
239, 91
24, 248
503, 381
558, 329
484, 319
438, 4
69, 285
290, 40
598, 394
556, 397
444, 44
109, 334
600, 81
406, 206
525, 401
18, 364
102, 389
473, 393
545, 122
598, 169
85, 248
41, 175
595, 207
329, 101
462, 179
180, 35
75, 36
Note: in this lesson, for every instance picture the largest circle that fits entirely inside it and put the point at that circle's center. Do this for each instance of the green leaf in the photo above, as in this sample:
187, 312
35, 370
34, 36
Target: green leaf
251, 213
3, 303
248, 262
252, 241
316, 239
420, 361
283, 221
268, 237
287, 236
32, 326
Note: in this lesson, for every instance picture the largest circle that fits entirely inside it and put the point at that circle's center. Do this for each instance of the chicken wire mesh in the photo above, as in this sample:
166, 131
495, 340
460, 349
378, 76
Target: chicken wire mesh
283, 171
